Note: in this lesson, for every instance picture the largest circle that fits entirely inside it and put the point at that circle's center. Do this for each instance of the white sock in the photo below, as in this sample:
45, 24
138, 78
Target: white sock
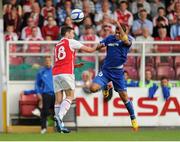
56, 109
64, 107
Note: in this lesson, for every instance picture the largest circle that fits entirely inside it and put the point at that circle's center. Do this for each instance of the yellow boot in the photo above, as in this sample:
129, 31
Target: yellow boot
135, 125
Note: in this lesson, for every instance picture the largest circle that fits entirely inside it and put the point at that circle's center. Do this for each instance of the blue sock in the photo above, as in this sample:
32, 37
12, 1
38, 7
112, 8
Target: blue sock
130, 109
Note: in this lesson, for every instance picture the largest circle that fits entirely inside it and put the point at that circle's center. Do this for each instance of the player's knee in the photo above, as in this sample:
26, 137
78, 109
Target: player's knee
123, 95
94, 88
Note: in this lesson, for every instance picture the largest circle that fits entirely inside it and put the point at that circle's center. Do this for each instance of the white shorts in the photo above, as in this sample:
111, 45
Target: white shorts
63, 82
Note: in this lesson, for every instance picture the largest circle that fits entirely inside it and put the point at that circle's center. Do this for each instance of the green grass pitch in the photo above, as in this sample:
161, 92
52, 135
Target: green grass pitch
163, 134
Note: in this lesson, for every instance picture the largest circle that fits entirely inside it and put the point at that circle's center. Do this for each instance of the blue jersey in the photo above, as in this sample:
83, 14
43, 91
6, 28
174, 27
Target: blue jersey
116, 52
44, 81
112, 69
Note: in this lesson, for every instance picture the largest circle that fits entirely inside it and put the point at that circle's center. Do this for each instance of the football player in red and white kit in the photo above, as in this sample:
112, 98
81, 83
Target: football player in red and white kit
63, 73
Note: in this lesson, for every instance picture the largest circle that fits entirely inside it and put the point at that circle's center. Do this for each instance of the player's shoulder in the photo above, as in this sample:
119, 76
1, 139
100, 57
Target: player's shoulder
110, 38
73, 41
62, 41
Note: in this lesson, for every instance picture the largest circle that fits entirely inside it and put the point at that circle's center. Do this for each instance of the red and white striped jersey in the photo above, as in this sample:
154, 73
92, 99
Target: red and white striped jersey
64, 56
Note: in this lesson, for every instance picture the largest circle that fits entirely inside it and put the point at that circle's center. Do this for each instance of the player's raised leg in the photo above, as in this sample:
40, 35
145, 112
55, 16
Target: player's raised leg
107, 92
99, 82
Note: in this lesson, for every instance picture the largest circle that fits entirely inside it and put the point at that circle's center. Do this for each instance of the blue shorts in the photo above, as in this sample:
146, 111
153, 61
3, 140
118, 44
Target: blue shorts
114, 75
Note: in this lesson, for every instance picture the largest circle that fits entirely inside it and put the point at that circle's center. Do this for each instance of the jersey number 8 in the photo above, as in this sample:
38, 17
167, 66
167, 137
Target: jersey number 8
61, 54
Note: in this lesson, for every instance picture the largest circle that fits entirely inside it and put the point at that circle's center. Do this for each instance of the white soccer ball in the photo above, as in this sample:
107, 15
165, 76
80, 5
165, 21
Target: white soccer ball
77, 15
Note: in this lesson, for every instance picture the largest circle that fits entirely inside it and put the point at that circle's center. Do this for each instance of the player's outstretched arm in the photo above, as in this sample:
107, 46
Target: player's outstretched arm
123, 36
91, 49
100, 46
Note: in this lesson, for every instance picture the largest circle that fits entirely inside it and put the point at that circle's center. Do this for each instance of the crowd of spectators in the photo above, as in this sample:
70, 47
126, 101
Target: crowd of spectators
47, 16
146, 20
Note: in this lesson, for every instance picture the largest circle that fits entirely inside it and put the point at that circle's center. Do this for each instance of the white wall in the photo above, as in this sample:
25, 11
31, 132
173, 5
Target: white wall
111, 115
150, 112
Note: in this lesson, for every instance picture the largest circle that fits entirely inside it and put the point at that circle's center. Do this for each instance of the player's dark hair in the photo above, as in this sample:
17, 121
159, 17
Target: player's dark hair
123, 27
65, 29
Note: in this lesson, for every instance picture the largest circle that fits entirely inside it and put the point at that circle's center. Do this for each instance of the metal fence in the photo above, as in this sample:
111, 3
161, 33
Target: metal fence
95, 64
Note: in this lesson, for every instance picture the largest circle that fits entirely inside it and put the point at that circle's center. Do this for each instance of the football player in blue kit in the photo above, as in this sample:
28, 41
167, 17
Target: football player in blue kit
118, 46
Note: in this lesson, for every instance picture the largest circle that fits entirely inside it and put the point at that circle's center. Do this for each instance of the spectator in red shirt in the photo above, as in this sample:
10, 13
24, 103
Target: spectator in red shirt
10, 35
162, 31
51, 29
27, 31
123, 15
48, 8
34, 48
89, 35
162, 34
